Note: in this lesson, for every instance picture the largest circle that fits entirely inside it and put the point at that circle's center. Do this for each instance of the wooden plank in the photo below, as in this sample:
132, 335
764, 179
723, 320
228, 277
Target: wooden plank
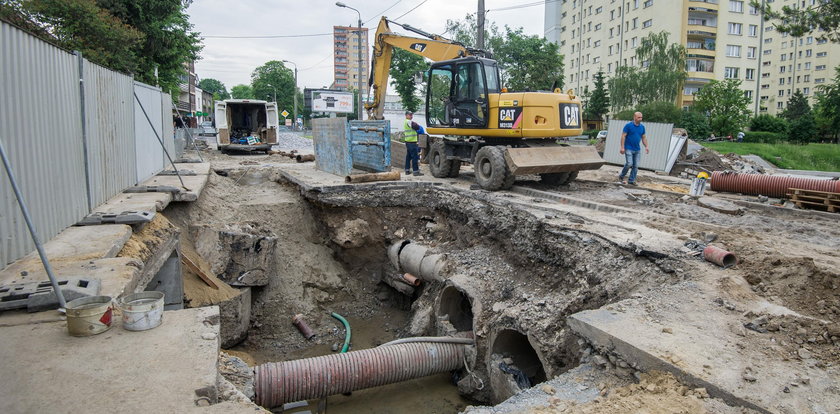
195, 269
804, 191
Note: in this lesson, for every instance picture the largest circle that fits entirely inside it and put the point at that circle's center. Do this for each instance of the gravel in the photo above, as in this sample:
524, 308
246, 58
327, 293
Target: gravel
293, 141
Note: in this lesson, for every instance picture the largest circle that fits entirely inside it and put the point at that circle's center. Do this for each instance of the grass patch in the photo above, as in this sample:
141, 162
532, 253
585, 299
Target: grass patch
817, 157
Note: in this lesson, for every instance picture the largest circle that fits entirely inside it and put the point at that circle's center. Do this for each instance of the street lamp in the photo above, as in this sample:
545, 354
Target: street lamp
275, 91
294, 96
340, 4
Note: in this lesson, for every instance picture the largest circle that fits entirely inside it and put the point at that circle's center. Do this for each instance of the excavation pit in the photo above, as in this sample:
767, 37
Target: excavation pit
455, 307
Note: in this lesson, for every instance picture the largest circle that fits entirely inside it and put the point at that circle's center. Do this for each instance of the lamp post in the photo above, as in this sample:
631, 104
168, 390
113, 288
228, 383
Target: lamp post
294, 96
340, 4
273, 89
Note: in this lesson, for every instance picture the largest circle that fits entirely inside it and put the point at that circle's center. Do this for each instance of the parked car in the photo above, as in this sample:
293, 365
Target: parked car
206, 129
601, 135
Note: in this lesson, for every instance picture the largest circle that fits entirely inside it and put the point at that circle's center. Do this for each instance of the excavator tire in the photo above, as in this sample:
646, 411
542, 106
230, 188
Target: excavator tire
554, 179
491, 171
454, 168
438, 164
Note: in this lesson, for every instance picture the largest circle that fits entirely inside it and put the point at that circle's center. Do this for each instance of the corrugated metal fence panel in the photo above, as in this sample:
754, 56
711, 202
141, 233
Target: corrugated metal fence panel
370, 145
40, 125
659, 139
149, 153
331, 151
168, 127
109, 113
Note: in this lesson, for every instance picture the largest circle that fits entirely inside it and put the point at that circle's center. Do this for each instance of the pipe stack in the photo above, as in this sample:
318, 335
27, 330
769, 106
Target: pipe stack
768, 185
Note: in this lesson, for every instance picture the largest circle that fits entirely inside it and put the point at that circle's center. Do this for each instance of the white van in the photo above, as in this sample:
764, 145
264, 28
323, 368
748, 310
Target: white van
246, 125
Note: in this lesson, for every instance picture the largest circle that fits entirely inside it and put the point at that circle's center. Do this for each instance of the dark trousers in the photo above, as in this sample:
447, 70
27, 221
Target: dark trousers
412, 156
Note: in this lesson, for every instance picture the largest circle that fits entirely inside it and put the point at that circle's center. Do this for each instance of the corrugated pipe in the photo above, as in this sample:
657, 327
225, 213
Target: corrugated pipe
768, 185
277, 383
434, 339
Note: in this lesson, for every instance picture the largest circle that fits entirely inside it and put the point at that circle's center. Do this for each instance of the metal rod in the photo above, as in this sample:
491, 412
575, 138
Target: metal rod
161, 141
187, 129
84, 129
32, 230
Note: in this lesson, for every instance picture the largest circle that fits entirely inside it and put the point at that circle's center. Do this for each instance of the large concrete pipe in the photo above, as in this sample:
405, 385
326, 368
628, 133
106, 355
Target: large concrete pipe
277, 383
768, 185
415, 259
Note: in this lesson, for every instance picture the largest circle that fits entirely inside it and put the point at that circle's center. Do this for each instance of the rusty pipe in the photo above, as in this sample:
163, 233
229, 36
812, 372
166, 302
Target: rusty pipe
768, 185
370, 177
302, 326
410, 279
305, 157
277, 383
719, 257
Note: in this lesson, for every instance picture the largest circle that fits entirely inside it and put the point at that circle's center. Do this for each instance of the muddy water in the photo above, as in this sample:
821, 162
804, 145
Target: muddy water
430, 395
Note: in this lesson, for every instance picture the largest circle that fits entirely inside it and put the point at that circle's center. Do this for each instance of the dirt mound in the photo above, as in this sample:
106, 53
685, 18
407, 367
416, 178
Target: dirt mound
143, 243
197, 292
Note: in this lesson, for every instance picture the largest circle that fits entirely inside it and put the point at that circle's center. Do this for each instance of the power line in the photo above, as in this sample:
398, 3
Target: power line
268, 36
401, 16
522, 6
383, 11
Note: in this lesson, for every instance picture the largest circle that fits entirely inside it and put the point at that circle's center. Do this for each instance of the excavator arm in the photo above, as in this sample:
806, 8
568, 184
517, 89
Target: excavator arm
433, 47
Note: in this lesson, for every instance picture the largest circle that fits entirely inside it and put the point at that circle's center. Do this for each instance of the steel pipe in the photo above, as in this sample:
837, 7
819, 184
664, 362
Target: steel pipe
719, 257
768, 185
303, 327
277, 383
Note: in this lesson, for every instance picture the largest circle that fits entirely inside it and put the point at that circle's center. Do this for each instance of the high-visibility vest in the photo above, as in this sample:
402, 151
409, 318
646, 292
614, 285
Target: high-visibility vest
410, 134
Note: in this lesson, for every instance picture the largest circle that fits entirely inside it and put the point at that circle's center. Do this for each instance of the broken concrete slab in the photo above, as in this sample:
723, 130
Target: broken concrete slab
704, 345
236, 318
721, 206
236, 257
135, 202
171, 368
200, 168
194, 183
74, 244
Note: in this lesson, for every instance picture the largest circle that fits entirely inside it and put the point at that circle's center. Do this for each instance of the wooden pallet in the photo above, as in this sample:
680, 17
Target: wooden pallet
815, 199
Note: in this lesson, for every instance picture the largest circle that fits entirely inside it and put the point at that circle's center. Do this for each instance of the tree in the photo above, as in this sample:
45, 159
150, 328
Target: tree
665, 112
828, 106
404, 65
822, 16
726, 105
803, 127
797, 106
695, 123
215, 87
465, 31
242, 92
528, 62
80, 25
169, 41
659, 76
769, 123
598, 103
273, 77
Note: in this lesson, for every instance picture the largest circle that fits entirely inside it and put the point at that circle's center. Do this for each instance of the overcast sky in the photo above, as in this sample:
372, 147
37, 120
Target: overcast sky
232, 60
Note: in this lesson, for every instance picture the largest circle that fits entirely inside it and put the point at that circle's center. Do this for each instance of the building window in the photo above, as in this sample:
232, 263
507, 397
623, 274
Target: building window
781, 92
635, 22
819, 80
736, 6
780, 105
752, 30
781, 81
635, 41
753, 10
597, 43
748, 94
647, 23
735, 28
733, 50
807, 65
648, 3
807, 78
820, 67
750, 74
750, 52
730, 72
784, 58
806, 91
599, 10
821, 54
768, 51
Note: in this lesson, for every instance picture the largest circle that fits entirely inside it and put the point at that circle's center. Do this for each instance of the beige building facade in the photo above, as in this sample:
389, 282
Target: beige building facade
346, 68
723, 38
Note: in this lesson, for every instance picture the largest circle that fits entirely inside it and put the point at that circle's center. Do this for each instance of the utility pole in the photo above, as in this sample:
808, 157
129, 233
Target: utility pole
359, 69
480, 26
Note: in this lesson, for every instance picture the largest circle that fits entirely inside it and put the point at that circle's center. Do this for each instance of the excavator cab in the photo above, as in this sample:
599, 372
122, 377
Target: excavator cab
457, 96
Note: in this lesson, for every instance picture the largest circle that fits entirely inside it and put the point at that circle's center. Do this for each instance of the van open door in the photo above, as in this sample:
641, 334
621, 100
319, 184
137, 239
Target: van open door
222, 128
272, 122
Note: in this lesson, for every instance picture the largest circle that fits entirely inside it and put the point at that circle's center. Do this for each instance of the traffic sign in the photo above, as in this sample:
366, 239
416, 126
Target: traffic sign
284, 113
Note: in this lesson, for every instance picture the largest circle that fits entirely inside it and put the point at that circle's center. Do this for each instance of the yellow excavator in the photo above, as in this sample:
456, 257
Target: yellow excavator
502, 134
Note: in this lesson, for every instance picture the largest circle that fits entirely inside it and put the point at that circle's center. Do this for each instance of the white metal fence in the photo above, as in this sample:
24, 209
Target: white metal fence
73, 136
659, 140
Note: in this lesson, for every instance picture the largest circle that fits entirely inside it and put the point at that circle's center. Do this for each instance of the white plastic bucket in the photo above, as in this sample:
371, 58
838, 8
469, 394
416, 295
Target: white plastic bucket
142, 311
89, 316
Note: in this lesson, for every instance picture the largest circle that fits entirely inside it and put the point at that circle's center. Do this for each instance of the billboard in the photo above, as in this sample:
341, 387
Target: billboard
332, 101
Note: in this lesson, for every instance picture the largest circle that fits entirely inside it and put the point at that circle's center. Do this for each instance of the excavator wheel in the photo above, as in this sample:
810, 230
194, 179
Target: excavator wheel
491, 171
554, 179
438, 164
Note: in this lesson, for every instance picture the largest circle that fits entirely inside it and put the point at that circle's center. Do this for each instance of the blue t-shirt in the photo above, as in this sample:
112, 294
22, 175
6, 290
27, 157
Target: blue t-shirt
634, 136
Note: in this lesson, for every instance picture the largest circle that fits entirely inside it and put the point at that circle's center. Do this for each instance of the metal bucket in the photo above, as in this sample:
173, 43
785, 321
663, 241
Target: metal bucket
142, 311
89, 316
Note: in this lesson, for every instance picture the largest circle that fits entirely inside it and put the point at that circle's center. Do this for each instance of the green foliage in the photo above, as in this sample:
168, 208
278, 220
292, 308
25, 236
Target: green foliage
273, 77
803, 129
215, 87
828, 107
242, 92
591, 133
598, 103
625, 115
404, 65
726, 105
665, 112
769, 123
818, 157
659, 76
797, 106
82, 25
764, 137
528, 62
696, 124
822, 18
465, 31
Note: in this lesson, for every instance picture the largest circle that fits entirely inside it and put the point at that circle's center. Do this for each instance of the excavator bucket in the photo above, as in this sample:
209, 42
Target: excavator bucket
554, 159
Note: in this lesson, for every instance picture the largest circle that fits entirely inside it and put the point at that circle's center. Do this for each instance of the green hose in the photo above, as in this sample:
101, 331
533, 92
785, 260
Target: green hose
346, 331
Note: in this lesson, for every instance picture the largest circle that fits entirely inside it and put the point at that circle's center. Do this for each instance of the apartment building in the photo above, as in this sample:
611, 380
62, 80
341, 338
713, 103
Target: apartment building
347, 70
723, 39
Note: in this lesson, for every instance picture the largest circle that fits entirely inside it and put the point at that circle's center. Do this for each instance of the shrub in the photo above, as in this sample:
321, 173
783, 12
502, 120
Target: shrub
803, 129
664, 112
591, 133
763, 137
769, 123
696, 124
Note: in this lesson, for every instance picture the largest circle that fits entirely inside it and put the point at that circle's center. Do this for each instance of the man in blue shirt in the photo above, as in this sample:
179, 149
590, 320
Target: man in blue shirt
633, 134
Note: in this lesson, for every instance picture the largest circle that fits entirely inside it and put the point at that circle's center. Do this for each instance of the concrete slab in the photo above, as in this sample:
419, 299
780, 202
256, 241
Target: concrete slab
165, 370
683, 331
135, 202
195, 184
721, 206
74, 244
308, 178
200, 168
